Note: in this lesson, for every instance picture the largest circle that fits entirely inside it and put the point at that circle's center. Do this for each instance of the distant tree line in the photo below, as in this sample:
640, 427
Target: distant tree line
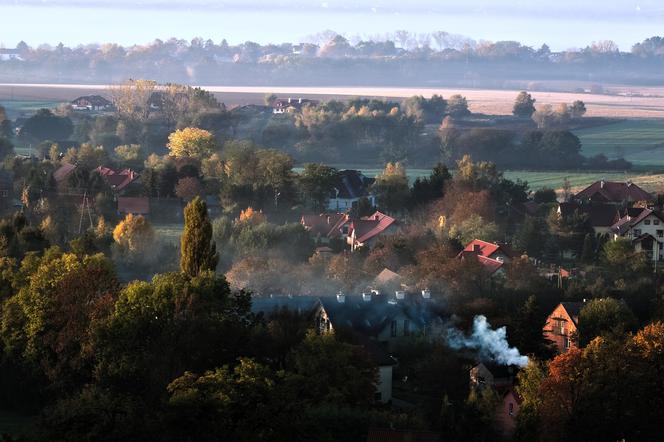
400, 58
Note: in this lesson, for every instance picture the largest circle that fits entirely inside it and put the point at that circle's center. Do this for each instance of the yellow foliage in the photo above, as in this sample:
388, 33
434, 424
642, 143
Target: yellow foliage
251, 216
134, 234
191, 142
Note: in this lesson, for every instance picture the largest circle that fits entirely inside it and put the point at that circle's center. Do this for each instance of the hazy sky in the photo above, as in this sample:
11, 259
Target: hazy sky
562, 24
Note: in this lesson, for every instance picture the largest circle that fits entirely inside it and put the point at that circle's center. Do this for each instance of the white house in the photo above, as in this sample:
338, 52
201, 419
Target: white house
645, 227
351, 185
10, 55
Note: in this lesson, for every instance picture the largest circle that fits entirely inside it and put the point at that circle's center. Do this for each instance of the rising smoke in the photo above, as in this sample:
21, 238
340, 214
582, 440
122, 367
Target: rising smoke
490, 344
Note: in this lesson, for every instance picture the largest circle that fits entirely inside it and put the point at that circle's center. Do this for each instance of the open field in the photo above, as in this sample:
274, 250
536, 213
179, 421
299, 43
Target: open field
649, 103
638, 141
16, 108
550, 179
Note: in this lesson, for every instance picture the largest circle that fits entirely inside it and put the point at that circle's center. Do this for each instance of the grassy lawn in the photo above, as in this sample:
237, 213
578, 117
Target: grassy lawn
15, 108
16, 425
638, 141
170, 233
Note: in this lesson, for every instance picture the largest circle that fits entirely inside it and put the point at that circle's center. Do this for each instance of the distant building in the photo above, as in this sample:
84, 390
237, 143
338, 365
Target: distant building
118, 180
364, 231
488, 375
374, 321
608, 192
645, 227
91, 103
507, 411
561, 326
492, 256
326, 226
350, 187
600, 217
10, 55
287, 105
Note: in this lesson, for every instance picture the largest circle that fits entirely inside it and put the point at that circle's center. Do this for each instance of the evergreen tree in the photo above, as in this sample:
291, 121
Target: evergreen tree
588, 251
198, 250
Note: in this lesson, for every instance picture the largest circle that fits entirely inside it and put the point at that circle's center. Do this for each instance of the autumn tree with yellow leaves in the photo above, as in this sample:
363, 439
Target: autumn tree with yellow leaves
191, 142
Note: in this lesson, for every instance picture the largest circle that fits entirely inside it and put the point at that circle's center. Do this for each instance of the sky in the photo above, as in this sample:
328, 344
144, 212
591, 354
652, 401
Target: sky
562, 24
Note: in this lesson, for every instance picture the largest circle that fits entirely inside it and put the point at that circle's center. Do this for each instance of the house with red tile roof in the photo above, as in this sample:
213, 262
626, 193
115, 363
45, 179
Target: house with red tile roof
326, 226
493, 256
645, 227
364, 231
562, 325
608, 192
118, 180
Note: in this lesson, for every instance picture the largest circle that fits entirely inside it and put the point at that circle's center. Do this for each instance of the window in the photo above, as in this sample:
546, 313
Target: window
393, 329
559, 326
566, 343
511, 409
660, 233
406, 327
656, 222
637, 232
646, 222
4, 193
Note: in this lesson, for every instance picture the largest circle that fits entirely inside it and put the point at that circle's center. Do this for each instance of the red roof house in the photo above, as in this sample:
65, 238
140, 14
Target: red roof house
365, 230
613, 193
326, 226
118, 180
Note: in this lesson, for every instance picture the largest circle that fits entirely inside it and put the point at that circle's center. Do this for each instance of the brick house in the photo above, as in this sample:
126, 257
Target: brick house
562, 325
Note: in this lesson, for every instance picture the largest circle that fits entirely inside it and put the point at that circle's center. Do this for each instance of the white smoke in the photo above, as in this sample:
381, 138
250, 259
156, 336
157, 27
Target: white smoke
491, 344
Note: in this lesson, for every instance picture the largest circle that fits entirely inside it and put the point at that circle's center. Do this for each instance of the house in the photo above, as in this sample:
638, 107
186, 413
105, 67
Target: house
507, 411
286, 105
600, 217
91, 103
364, 318
118, 180
607, 192
485, 374
10, 55
495, 251
492, 256
326, 226
133, 205
62, 174
387, 280
350, 186
562, 325
645, 227
364, 231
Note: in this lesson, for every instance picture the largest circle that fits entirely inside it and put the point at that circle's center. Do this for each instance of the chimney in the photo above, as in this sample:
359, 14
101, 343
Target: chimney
366, 297
400, 294
426, 294
300, 101
476, 248
341, 298
289, 100
601, 184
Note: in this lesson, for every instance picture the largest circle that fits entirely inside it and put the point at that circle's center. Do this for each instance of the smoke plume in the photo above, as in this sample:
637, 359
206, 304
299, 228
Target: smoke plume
491, 344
